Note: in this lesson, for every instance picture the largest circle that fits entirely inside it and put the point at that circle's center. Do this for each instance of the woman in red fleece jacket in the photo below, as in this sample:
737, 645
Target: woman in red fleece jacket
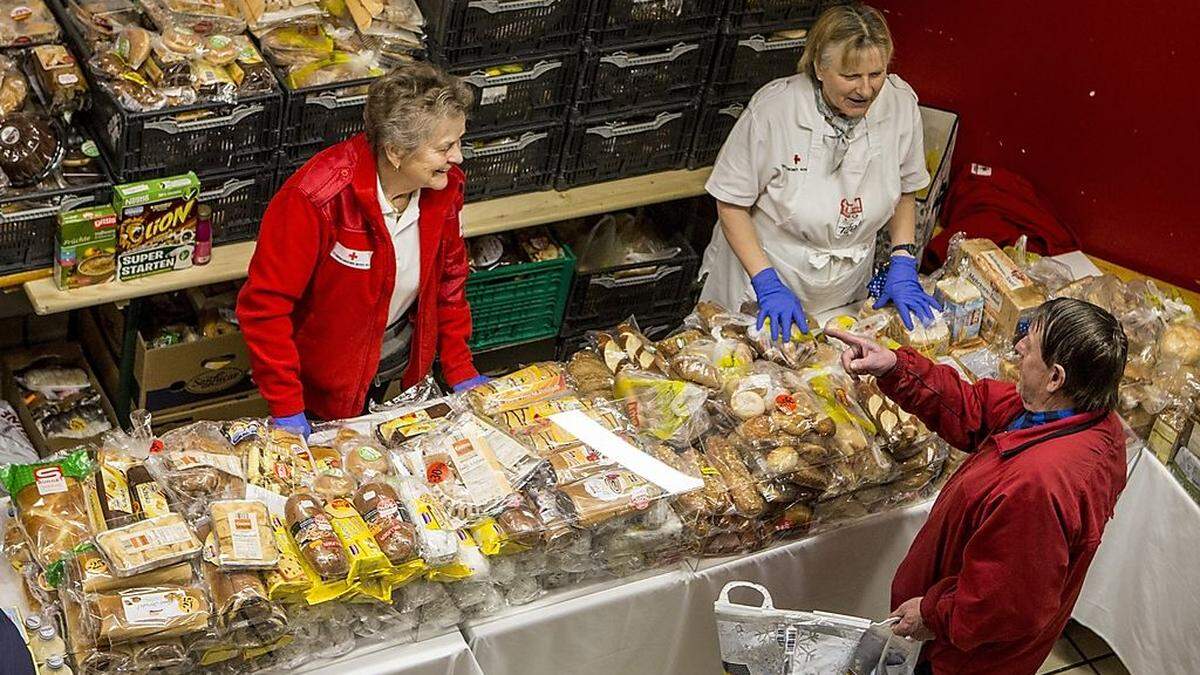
360, 270
992, 577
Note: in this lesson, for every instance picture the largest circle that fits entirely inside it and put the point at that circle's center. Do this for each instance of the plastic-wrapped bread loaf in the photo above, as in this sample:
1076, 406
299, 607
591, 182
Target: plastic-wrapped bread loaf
723, 457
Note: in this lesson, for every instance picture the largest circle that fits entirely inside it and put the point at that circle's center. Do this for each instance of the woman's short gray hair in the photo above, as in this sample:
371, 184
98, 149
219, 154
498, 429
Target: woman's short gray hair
404, 105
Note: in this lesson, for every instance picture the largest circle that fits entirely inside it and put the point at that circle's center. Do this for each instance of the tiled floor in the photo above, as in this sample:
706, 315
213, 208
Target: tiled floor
1082, 652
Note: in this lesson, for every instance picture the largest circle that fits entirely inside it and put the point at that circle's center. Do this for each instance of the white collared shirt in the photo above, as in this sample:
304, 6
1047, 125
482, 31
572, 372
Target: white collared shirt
406, 240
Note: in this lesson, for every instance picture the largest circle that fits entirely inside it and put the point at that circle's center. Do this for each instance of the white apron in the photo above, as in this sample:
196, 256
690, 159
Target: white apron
817, 228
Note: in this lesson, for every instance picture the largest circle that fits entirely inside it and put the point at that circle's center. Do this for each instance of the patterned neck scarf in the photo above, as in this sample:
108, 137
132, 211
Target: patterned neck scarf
839, 142
1032, 419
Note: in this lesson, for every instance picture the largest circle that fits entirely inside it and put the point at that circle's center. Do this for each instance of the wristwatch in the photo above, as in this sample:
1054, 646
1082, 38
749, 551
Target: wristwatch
910, 249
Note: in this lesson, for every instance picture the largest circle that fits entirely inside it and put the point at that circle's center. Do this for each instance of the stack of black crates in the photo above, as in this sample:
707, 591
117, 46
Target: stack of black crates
761, 40
522, 61
645, 66
231, 146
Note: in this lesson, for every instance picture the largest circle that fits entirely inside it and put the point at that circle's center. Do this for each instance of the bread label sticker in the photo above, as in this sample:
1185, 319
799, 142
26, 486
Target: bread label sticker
491, 95
352, 258
160, 537
154, 608
243, 530
188, 459
49, 480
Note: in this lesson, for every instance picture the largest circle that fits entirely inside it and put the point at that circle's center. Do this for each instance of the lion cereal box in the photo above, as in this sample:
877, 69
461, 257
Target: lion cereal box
156, 225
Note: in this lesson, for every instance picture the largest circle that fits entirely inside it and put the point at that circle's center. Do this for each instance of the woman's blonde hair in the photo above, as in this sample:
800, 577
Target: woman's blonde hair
852, 28
404, 106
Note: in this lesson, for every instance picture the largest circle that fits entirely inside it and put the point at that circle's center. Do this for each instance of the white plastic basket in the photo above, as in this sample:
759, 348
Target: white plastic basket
762, 640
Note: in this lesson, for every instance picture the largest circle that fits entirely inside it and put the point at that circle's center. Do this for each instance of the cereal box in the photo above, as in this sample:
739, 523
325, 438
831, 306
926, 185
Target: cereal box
156, 225
85, 247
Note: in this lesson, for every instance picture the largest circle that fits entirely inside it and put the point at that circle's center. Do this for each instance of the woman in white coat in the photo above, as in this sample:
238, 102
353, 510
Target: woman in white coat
816, 165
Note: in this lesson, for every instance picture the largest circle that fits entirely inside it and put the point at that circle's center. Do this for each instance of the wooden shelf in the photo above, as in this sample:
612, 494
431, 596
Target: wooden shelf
228, 262
495, 215
539, 208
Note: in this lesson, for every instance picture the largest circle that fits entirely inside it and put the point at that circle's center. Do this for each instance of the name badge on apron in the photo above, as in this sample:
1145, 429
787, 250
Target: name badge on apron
850, 218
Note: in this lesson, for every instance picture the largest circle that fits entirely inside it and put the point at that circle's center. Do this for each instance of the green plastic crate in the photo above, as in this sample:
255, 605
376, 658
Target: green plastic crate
518, 303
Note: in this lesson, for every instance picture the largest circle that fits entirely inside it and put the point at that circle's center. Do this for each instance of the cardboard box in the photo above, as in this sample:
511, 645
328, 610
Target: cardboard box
1009, 296
85, 247
1186, 467
941, 134
1170, 432
173, 377
62, 353
246, 405
156, 225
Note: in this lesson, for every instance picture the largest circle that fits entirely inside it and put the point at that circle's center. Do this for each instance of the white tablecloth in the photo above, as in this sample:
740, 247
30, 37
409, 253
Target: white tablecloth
1142, 593
446, 654
606, 629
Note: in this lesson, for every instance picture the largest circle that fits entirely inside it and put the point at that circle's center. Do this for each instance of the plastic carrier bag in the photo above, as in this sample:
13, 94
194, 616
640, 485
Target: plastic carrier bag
762, 640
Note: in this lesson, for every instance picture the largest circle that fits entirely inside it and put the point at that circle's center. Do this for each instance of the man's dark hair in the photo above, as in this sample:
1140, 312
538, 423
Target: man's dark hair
1091, 347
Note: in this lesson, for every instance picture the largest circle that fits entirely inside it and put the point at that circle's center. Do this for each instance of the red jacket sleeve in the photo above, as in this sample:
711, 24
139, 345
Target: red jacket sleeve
454, 315
962, 413
280, 271
1013, 574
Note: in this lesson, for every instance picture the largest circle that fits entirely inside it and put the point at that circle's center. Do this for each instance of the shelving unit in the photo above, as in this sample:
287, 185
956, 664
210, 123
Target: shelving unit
495, 215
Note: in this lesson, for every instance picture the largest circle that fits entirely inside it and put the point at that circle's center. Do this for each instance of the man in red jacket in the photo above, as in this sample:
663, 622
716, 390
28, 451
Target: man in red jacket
360, 271
992, 577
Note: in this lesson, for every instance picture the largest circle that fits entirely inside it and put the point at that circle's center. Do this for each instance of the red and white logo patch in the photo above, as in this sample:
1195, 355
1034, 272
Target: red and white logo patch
359, 260
851, 217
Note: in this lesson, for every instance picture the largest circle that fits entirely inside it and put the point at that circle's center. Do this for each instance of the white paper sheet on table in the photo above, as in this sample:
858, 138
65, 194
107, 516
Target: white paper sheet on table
1080, 265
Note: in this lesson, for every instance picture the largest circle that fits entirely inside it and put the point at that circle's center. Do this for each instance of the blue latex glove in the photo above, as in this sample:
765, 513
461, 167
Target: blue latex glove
904, 291
467, 385
297, 424
778, 303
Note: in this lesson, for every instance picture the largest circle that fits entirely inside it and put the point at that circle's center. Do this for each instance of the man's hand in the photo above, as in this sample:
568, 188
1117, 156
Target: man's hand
911, 625
863, 356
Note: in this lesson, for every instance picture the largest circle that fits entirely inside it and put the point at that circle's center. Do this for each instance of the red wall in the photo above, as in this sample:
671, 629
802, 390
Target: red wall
1097, 103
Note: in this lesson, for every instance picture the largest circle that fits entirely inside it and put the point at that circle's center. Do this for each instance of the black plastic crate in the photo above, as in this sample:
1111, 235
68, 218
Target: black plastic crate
604, 297
629, 21
238, 200
29, 217
528, 91
755, 13
660, 73
510, 162
716, 121
315, 118
750, 59
472, 31
28, 223
202, 137
626, 144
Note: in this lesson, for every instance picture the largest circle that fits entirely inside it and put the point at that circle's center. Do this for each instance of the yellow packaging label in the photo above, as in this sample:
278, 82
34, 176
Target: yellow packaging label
402, 574
457, 570
256, 652
493, 541
288, 580
217, 655
532, 415
367, 561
